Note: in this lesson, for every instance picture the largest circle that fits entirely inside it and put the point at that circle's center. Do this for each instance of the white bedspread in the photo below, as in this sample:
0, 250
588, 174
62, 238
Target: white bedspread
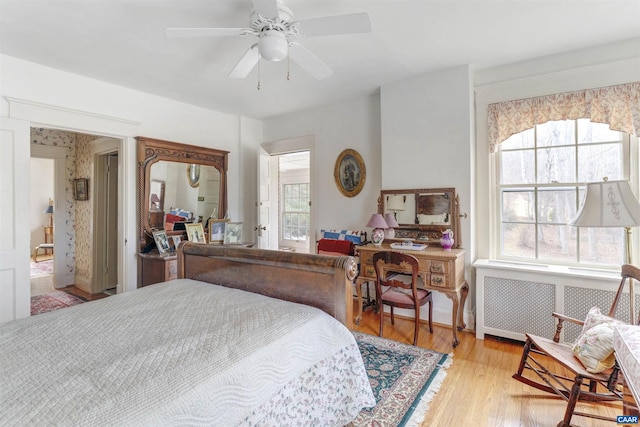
181, 353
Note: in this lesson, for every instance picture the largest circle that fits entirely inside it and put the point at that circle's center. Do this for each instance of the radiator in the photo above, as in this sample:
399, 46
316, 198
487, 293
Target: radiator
513, 299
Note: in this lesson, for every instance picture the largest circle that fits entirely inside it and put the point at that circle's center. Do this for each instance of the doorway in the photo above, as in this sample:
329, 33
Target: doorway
294, 201
286, 170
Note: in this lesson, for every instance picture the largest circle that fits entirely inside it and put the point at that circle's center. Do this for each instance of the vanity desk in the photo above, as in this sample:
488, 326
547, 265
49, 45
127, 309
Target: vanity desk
441, 271
422, 216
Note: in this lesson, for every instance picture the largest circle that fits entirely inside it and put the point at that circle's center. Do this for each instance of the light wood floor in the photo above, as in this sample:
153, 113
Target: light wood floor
478, 389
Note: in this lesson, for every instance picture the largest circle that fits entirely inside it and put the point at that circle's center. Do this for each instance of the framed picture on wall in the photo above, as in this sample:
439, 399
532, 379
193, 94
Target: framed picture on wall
350, 172
233, 233
81, 189
216, 230
195, 233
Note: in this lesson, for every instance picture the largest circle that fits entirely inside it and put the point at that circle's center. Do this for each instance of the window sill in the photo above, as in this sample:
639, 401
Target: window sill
555, 270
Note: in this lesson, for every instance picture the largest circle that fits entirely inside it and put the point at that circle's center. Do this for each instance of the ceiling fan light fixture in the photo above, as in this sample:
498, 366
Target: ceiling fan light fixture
273, 45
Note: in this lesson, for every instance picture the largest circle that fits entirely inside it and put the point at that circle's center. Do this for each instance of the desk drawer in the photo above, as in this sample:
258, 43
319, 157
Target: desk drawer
369, 271
439, 280
439, 267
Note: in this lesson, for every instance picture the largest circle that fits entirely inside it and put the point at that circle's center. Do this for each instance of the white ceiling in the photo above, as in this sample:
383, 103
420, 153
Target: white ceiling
123, 42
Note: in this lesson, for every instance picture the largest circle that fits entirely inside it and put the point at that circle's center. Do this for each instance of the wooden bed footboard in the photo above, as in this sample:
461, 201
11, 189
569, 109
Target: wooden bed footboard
320, 281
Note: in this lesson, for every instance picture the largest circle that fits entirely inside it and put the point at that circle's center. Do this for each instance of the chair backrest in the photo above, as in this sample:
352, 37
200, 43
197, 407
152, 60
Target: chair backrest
335, 247
629, 273
386, 262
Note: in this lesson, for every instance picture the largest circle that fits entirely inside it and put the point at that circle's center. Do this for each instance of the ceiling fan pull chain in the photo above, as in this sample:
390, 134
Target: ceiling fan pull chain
288, 64
258, 73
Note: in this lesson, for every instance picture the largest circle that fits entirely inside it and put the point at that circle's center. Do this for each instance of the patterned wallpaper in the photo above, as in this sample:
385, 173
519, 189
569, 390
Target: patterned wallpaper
77, 214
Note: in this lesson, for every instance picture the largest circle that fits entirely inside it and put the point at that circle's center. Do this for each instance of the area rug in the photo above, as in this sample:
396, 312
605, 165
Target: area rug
52, 301
41, 268
404, 379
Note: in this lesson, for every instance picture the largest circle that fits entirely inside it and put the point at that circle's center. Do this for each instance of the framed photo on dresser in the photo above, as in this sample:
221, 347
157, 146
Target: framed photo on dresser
233, 233
216, 230
195, 233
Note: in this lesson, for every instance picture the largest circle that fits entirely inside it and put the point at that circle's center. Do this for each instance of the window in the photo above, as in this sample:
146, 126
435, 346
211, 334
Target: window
295, 212
540, 174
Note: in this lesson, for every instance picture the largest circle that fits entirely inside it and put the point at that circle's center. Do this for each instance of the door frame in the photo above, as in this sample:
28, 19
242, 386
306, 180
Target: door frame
55, 117
292, 145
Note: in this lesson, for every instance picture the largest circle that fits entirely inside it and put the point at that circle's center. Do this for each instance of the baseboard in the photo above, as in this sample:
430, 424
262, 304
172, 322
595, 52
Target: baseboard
83, 283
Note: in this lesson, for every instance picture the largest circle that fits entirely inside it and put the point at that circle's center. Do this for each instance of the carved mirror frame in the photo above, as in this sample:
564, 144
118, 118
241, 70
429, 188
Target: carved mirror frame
151, 151
430, 233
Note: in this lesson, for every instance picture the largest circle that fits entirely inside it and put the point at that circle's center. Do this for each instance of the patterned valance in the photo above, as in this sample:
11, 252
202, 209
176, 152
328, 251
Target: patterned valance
618, 106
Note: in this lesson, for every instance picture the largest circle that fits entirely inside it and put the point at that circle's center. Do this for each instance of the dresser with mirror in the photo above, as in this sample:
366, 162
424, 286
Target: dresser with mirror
422, 216
177, 184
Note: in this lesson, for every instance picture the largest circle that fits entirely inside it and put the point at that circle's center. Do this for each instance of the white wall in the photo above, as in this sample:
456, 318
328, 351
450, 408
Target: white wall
351, 124
428, 142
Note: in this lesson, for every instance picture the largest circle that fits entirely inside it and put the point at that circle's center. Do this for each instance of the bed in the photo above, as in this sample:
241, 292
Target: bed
243, 337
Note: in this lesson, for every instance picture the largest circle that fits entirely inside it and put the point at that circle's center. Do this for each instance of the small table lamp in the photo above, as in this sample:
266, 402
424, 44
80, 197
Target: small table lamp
378, 224
49, 211
611, 204
390, 233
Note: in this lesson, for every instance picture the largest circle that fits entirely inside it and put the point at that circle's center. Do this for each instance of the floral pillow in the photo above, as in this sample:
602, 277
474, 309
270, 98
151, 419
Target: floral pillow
594, 346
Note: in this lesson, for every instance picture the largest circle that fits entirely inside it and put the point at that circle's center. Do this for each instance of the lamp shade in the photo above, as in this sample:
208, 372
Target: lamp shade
395, 203
49, 210
377, 221
608, 204
390, 220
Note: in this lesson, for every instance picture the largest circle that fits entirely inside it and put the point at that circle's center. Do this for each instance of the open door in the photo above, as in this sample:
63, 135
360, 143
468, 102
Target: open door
266, 237
15, 291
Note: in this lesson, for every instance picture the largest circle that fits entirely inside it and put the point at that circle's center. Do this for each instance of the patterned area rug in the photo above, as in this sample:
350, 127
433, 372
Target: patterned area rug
52, 301
41, 268
404, 379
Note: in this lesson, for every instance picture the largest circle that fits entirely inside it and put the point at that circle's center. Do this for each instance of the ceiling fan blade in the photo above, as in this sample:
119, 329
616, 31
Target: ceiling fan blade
266, 8
309, 62
333, 25
203, 32
246, 64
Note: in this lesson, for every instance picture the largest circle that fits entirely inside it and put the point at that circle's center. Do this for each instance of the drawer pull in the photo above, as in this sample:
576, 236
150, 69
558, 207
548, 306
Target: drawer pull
437, 280
437, 268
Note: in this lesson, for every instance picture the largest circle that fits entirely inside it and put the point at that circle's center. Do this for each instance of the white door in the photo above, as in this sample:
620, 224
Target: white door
266, 238
15, 288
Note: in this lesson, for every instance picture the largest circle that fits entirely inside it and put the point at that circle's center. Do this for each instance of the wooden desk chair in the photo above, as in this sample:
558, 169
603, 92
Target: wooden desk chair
595, 379
403, 289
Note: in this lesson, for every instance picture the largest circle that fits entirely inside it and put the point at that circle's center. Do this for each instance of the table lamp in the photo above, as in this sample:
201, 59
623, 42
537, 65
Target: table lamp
610, 204
49, 211
390, 233
378, 224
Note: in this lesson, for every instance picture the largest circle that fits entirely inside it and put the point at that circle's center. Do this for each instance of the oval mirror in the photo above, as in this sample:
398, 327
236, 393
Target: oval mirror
193, 173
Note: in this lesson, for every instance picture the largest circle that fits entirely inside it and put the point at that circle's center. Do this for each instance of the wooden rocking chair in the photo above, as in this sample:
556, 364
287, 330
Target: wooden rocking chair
581, 385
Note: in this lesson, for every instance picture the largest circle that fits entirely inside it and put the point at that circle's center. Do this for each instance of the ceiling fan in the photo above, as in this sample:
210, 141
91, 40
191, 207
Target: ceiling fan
277, 32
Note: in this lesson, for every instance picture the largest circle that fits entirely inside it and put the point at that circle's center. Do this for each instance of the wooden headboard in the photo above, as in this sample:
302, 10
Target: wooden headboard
320, 281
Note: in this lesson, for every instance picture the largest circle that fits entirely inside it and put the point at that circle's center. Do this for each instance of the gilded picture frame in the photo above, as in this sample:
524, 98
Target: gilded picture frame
195, 233
350, 173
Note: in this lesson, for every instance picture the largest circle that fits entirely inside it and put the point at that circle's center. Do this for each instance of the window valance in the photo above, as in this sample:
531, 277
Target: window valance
618, 106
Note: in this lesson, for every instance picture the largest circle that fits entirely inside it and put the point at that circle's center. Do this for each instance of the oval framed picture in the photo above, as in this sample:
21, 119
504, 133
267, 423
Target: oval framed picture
350, 173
